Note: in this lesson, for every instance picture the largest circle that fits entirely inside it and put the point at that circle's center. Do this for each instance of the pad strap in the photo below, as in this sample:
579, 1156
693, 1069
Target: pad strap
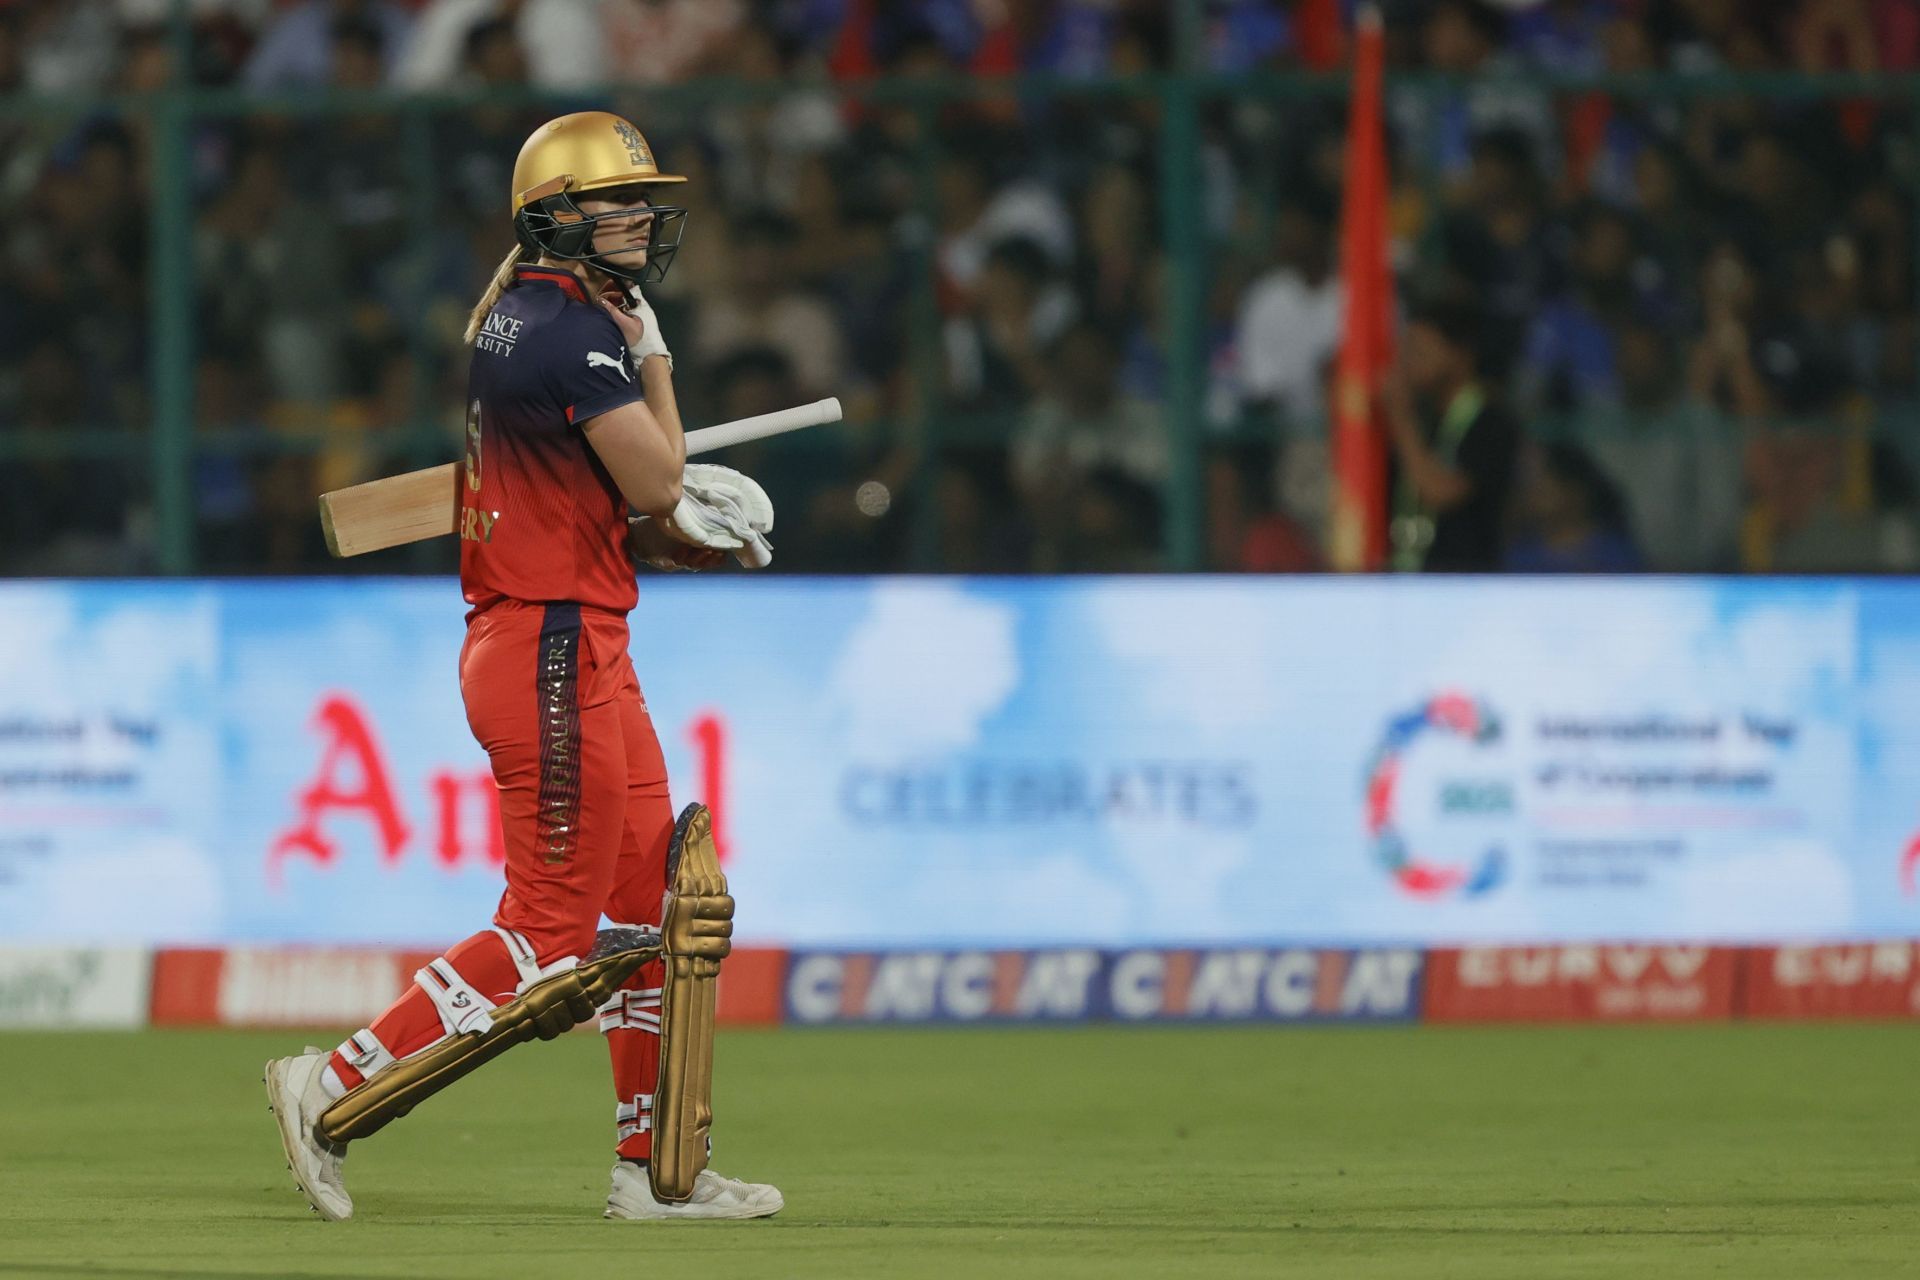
527, 962
632, 1011
364, 1052
522, 954
634, 1118
461, 1006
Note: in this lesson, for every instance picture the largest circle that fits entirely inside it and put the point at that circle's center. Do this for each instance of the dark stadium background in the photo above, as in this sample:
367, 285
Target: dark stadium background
1069, 264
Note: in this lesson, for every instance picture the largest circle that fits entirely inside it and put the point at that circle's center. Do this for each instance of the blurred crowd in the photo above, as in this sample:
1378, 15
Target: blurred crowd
1694, 304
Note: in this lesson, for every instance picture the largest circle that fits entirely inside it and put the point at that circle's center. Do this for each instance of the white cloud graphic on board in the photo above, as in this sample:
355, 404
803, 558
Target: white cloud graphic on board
1798, 888
152, 888
1211, 659
924, 670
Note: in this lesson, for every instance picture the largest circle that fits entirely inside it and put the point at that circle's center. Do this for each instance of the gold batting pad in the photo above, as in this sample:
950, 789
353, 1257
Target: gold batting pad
546, 1009
696, 933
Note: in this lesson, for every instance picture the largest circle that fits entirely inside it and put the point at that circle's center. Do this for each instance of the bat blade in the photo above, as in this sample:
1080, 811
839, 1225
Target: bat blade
392, 511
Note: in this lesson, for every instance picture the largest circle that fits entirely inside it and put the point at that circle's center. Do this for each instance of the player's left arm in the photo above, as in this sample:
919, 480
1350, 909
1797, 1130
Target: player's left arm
648, 543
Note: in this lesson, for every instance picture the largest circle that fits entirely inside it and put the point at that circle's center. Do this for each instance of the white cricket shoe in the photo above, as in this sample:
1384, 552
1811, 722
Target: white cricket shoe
296, 1098
713, 1197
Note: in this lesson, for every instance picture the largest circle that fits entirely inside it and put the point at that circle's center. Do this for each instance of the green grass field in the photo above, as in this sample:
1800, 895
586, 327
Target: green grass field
1649, 1152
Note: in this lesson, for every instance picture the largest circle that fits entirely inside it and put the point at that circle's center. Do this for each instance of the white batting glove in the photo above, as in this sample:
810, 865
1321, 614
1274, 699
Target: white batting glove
742, 505
717, 484
698, 524
650, 342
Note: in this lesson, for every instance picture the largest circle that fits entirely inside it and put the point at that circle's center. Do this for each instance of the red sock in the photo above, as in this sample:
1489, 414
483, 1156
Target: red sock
411, 1023
633, 1041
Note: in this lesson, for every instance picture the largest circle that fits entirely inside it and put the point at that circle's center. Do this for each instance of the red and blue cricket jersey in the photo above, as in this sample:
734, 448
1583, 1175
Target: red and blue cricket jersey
585, 813
540, 517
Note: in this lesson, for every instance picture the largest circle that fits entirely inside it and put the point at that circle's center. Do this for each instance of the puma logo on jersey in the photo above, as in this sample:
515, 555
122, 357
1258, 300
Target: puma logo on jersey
612, 362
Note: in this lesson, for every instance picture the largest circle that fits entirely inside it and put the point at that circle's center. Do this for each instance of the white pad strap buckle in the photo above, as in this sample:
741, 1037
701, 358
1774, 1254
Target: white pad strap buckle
364, 1052
462, 1008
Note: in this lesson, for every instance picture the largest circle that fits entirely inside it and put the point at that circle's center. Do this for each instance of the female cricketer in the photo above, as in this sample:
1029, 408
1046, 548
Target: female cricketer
571, 420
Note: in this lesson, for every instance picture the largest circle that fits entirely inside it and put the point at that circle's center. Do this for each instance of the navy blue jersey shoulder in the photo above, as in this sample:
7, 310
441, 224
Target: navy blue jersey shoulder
545, 357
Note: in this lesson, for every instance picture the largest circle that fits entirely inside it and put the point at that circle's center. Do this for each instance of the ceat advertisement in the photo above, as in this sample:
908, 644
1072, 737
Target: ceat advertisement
1174, 766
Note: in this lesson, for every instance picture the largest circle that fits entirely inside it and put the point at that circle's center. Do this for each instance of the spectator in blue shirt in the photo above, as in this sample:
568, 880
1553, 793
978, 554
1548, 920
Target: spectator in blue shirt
296, 50
1572, 359
1573, 519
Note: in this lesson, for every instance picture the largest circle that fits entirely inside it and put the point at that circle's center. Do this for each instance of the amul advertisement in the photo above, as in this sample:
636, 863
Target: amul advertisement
952, 763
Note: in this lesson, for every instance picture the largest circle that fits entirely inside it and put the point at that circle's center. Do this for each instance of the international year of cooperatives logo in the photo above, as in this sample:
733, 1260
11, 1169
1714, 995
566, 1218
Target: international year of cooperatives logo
1446, 715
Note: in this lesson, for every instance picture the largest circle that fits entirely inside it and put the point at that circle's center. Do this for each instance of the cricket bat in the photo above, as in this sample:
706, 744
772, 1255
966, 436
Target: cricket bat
426, 504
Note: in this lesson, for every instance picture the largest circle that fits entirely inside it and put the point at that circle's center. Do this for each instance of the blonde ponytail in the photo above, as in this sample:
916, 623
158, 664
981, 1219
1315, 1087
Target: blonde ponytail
497, 286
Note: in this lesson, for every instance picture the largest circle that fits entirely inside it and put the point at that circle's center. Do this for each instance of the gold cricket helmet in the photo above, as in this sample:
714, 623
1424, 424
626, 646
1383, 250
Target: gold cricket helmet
580, 153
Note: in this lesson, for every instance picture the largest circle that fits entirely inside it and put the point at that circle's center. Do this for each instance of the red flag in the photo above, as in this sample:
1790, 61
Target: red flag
851, 57
1316, 25
1359, 534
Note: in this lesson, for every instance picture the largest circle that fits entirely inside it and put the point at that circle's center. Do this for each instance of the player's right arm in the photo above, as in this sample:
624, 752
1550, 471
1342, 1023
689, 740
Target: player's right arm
643, 455
643, 450
656, 379
648, 480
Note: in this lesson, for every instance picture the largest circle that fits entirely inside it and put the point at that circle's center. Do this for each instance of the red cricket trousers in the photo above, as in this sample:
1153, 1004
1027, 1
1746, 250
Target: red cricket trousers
550, 693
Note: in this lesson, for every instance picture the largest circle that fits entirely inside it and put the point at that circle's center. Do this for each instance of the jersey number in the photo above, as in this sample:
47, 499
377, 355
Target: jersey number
473, 447
475, 525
